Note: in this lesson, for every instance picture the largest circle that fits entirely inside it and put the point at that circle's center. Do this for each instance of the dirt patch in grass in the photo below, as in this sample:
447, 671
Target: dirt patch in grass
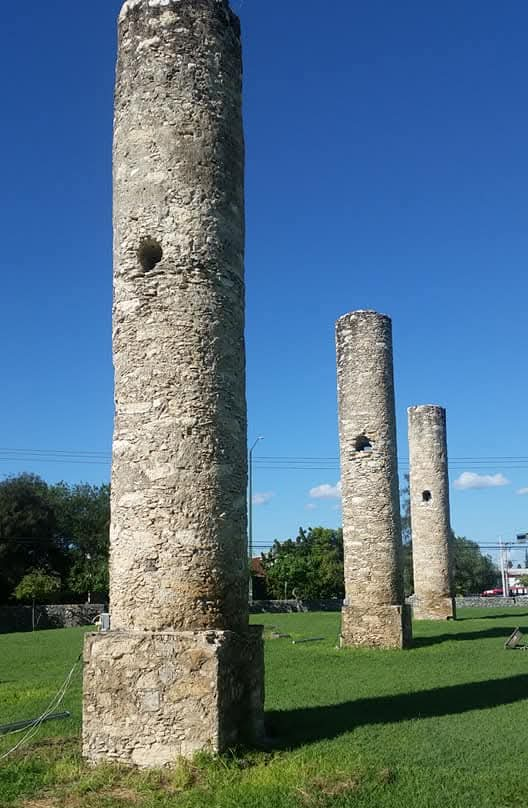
126, 795
323, 791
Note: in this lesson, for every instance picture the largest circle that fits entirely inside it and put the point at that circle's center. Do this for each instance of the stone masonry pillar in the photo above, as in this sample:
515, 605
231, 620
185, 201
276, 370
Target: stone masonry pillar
374, 613
180, 669
430, 523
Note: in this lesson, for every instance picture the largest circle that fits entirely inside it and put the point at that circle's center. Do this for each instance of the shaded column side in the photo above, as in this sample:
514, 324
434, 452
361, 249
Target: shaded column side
430, 518
178, 531
374, 614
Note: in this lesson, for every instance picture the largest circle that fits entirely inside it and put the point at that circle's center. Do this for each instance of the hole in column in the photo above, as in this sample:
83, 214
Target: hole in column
426, 496
362, 444
149, 254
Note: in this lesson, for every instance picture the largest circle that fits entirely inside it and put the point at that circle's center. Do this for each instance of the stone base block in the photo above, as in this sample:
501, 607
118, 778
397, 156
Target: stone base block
376, 626
150, 698
437, 609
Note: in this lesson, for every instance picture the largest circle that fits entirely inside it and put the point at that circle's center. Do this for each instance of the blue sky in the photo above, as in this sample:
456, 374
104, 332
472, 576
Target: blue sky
386, 168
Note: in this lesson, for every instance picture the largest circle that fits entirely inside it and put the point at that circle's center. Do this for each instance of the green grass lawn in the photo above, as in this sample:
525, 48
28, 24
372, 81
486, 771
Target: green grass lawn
442, 724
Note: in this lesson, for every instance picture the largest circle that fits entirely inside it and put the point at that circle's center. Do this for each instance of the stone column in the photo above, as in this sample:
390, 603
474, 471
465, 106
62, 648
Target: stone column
374, 613
180, 670
430, 524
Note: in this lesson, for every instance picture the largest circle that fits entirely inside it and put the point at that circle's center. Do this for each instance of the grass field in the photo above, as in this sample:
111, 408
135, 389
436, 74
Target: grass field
443, 724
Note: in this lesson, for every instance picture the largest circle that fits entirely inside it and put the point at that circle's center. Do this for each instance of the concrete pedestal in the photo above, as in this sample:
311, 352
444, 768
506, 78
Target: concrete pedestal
437, 609
376, 626
151, 697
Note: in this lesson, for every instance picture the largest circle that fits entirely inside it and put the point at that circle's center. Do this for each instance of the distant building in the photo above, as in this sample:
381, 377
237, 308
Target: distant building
258, 573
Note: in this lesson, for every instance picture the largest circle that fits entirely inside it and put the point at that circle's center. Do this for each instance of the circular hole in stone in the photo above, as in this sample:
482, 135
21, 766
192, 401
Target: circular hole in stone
426, 496
362, 444
149, 254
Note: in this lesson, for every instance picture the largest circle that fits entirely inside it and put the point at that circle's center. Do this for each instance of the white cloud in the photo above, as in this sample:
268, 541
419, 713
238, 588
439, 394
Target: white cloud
468, 479
262, 497
522, 491
326, 491
310, 506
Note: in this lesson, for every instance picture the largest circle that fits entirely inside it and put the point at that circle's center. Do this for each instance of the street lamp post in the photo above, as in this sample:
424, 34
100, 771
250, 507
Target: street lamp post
250, 517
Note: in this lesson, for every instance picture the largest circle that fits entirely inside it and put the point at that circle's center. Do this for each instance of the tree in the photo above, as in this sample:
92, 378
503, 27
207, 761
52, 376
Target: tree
472, 571
61, 529
405, 507
36, 585
82, 513
408, 572
308, 567
27, 531
89, 574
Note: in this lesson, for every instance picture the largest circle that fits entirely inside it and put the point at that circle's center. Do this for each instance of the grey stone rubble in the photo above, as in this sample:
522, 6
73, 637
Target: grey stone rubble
374, 613
430, 521
178, 558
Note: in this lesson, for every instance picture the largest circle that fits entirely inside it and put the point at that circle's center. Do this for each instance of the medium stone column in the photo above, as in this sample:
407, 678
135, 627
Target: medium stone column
374, 613
430, 523
180, 669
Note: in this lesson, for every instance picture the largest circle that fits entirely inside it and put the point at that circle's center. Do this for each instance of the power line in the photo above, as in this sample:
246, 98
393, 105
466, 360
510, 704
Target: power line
280, 458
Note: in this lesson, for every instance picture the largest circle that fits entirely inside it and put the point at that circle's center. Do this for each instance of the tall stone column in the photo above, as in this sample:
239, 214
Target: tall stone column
180, 670
430, 523
374, 613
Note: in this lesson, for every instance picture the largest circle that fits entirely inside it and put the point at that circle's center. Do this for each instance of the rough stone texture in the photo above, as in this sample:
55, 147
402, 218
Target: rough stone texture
62, 615
379, 626
491, 603
178, 554
430, 523
374, 613
178, 533
150, 697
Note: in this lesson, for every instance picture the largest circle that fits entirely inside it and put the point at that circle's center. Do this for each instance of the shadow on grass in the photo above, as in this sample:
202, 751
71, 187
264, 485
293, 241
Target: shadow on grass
420, 642
504, 615
291, 728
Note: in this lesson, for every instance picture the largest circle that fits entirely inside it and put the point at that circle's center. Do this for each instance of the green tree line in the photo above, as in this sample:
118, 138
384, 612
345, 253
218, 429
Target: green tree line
53, 539
54, 543
311, 566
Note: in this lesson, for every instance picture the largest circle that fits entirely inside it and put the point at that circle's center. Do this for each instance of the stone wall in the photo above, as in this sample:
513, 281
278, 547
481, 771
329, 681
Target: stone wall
491, 603
278, 606
18, 618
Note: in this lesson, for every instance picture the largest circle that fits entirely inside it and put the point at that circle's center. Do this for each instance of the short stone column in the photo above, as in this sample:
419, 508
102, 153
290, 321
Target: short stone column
374, 613
430, 523
180, 670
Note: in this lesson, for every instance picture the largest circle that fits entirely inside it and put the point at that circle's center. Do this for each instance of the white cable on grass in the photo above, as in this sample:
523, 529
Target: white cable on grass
52, 706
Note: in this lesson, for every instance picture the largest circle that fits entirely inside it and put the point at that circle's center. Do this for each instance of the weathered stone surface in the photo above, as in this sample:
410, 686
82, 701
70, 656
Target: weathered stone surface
373, 613
430, 522
474, 601
178, 532
181, 670
382, 626
150, 697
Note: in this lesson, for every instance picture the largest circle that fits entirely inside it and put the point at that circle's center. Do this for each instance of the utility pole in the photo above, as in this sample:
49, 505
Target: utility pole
250, 516
504, 569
